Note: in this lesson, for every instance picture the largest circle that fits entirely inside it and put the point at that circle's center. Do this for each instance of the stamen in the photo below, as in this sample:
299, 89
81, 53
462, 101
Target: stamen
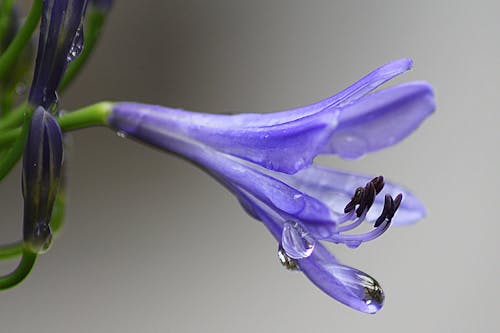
356, 199
361, 202
364, 197
368, 198
346, 217
354, 224
378, 182
361, 238
390, 208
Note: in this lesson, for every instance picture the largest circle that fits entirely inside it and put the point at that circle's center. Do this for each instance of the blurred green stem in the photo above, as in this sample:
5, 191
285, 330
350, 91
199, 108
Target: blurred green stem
22, 38
22, 270
6, 7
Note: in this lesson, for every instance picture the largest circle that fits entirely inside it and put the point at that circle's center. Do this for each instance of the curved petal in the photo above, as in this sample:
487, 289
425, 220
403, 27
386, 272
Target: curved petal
287, 145
381, 119
335, 188
347, 285
357, 90
227, 169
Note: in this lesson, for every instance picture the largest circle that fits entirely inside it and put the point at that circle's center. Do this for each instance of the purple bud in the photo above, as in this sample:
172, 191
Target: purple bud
43, 157
61, 40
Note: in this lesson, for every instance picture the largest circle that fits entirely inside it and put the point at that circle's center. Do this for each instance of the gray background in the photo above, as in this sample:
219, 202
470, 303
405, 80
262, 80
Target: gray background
152, 244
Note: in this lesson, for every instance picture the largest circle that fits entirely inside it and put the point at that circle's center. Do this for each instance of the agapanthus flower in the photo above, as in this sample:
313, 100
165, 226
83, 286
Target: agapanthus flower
61, 41
266, 160
42, 164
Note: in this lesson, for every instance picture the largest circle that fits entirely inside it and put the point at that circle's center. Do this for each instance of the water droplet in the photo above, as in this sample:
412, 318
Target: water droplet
41, 238
77, 46
20, 88
121, 134
367, 294
296, 241
286, 261
373, 293
349, 145
353, 244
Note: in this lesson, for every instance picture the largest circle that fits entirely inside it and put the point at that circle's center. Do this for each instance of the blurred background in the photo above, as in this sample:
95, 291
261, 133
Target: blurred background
152, 244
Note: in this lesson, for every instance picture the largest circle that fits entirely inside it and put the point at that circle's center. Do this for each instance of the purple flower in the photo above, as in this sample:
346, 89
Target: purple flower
42, 164
266, 161
61, 40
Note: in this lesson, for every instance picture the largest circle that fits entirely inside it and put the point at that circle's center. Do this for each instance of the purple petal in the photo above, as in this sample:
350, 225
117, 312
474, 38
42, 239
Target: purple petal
335, 188
42, 164
357, 90
164, 133
279, 143
381, 119
61, 20
347, 285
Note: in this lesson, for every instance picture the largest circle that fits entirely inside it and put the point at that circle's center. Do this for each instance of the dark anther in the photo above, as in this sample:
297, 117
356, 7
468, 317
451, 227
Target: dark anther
390, 208
368, 198
378, 182
365, 196
358, 195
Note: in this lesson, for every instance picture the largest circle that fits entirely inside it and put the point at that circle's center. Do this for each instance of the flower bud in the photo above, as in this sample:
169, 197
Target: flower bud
41, 178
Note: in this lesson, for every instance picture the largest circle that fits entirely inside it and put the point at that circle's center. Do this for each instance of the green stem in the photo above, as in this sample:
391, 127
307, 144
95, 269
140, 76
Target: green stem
21, 272
93, 115
14, 118
14, 154
57, 219
93, 25
5, 17
14, 250
7, 137
11, 251
22, 38
6, 101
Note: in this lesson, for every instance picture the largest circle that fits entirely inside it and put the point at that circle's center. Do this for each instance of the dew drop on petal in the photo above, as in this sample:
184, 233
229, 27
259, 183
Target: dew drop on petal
121, 134
41, 239
296, 241
286, 261
374, 295
349, 145
77, 46
20, 88
367, 295
353, 244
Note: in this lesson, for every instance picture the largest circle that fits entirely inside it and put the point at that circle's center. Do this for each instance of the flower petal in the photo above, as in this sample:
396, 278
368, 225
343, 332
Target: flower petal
381, 119
335, 188
347, 285
357, 90
277, 143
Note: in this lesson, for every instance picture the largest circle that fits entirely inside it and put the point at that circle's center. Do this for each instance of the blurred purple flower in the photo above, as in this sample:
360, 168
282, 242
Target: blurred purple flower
266, 161
103, 5
61, 41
